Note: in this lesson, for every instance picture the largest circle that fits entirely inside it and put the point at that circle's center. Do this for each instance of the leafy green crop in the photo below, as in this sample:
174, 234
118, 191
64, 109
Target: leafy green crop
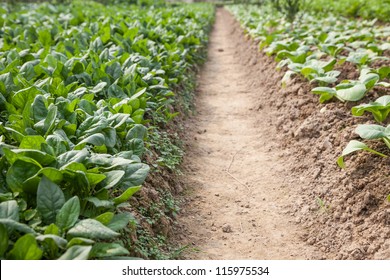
80, 88
316, 45
368, 132
379, 9
380, 108
321, 41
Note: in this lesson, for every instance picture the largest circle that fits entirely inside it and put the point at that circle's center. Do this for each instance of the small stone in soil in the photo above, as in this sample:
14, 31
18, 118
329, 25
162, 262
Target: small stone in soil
220, 50
227, 228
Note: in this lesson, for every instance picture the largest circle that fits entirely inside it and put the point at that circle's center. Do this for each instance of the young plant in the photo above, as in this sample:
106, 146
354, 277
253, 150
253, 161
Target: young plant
380, 108
367, 132
363, 57
313, 70
351, 90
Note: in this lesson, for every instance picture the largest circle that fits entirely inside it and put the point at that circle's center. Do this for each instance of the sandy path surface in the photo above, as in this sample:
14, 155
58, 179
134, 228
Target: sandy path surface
237, 184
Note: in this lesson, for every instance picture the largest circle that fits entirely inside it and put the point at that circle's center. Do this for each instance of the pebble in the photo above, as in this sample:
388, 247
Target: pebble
227, 228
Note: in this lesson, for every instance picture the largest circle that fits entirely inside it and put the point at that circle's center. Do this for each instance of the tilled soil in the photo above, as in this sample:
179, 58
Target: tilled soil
260, 170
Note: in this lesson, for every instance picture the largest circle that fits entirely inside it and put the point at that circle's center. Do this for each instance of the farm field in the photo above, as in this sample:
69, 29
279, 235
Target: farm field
184, 131
83, 86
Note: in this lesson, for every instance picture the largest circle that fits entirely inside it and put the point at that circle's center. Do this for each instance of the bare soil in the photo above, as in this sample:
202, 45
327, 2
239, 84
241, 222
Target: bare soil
260, 173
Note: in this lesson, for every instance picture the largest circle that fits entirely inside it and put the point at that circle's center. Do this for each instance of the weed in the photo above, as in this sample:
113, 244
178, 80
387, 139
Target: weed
168, 148
323, 207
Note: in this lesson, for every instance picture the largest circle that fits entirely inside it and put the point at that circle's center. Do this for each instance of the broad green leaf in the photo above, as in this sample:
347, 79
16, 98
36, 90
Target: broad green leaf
41, 158
325, 93
46, 125
328, 80
80, 241
95, 179
7, 84
105, 218
76, 166
50, 200
329, 65
99, 87
114, 70
138, 94
120, 221
52, 229
354, 93
69, 213
88, 107
137, 131
77, 252
25, 96
90, 228
72, 156
19, 172
112, 178
106, 36
39, 108
14, 134
79, 179
97, 139
384, 100
59, 241
110, 136
58, 144
368, 78
29, 214
380, 108
13, 225
372, 131
78, 68
92, 125
100, 203
137, 146
31, 184
354, 146
125, 196
131, 33
102, 250
135, 175
26, 248
32, 142
384, 72
9, 210
45, 37
52, 174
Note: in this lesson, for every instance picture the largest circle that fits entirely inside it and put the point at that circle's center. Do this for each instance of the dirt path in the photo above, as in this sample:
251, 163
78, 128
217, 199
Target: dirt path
238, 187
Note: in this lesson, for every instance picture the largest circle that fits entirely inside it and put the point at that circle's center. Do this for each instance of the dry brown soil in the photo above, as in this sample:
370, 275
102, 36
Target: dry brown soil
239, 186
260, 173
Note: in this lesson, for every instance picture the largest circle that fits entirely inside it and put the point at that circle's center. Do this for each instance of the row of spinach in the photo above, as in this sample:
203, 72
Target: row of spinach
81, 87
313, 46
